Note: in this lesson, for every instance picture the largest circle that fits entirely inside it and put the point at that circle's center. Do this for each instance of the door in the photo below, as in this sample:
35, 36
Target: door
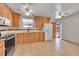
54, 29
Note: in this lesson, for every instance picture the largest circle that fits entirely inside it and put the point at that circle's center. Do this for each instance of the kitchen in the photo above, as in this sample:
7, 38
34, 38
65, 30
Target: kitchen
22, 28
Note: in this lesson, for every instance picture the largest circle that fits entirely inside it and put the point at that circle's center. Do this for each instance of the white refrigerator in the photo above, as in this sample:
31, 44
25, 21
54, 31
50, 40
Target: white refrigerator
47, 28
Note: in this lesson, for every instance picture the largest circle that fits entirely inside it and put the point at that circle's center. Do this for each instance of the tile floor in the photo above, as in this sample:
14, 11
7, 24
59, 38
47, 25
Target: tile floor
57, 47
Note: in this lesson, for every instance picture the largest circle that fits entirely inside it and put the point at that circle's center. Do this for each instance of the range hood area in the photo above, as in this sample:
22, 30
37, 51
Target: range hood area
4, 21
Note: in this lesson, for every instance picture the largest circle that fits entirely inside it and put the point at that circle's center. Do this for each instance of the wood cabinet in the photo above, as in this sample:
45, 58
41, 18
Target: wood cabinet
19, 38
7, 13
26, 38
36, 37
2, 8
2, 48
16, 19
41, 36
39, 21
29, 37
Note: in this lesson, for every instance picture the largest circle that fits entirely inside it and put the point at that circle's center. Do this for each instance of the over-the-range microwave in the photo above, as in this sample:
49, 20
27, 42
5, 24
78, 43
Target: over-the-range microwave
4, 21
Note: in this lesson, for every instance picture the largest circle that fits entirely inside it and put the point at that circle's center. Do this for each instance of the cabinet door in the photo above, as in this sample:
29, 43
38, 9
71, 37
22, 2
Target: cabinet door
4, 10
16, 20
25, 38
1, 9
29, 40
36, 37
1, 12
39, 21
2, 48
19, 38
29, 37
22, 38
37, 24
46, 20
41, 36
32, 37
2, 51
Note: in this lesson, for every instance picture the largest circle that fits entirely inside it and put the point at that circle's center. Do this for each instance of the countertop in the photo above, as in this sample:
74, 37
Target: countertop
19, 31
14, 30
2, 28
1, 38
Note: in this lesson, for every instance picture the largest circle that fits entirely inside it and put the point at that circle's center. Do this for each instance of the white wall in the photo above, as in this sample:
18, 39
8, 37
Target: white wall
70, 28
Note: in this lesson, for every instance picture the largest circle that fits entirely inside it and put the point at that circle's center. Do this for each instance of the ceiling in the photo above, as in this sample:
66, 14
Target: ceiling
45, 9
70, 8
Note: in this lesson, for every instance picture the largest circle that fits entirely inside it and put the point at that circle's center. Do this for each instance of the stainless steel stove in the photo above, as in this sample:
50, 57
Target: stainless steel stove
9, 43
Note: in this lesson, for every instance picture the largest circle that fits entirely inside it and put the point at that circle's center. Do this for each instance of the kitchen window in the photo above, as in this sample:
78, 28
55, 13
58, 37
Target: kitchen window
28, 23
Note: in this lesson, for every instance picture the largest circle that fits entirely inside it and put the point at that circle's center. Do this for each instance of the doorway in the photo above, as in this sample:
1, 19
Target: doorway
59, 28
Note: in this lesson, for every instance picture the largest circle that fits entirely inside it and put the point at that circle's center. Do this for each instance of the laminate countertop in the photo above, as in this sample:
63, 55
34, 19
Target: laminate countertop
14, 31
2, 39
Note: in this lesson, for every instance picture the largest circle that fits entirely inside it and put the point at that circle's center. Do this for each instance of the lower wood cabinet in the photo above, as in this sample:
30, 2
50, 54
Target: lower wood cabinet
26, 38
29, 37
41, 36
2, 48
19, 38
37, 37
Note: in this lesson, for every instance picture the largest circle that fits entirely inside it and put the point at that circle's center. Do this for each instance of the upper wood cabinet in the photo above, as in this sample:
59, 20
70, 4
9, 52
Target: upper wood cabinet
2, 9
39, 21
16, 20
7, 13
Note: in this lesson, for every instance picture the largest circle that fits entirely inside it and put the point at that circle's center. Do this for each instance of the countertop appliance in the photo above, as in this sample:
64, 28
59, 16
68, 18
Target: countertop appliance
47, 28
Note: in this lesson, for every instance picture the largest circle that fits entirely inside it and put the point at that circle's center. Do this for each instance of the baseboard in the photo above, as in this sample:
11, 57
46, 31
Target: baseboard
48, 40
70, 41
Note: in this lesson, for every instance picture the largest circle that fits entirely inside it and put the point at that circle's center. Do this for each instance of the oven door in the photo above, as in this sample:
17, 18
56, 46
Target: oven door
9, 44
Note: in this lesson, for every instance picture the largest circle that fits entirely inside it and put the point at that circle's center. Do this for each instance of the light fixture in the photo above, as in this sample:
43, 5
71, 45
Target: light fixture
30, 10
27, 10
27, 13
